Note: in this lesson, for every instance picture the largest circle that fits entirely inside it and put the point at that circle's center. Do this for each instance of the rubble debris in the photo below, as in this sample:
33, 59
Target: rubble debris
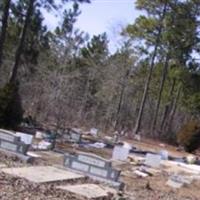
98, 145
140, 174
178, 181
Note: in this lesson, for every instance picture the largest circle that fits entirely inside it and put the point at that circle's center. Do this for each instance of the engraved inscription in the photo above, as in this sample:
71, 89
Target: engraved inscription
91, 161
80, 166
99, 172
8, 146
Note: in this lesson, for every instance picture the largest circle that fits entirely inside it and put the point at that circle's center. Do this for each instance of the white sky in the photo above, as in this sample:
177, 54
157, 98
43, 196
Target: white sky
102, 16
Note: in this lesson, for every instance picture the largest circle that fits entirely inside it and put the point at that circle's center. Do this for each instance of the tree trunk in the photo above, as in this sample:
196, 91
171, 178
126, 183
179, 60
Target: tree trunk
124, 84
173, 111
4, 27
146, 88
13, 76
164, 75
168, 107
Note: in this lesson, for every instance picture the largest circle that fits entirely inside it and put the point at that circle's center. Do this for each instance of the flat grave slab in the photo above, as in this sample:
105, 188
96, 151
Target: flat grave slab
89, 191
42, 174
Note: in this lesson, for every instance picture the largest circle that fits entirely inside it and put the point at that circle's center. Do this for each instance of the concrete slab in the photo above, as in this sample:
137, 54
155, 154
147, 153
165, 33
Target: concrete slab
89, 191
42, 174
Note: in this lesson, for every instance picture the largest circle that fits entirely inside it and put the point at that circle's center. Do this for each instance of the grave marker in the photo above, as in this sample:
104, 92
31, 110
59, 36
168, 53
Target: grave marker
26, 138
11, 142
153, 160
93, 166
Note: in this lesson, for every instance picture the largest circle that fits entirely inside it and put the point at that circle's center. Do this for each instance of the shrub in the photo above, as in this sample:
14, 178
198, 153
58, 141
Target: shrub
189, 136
11, 111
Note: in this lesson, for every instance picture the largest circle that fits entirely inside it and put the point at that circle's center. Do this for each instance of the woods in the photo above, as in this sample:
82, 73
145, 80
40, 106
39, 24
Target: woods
64, 77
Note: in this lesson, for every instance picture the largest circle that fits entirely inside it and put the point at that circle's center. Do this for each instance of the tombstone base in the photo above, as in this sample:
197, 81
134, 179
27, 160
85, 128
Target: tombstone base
24, 158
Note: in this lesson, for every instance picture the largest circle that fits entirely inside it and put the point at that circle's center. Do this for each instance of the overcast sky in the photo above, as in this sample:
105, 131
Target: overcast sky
103, 16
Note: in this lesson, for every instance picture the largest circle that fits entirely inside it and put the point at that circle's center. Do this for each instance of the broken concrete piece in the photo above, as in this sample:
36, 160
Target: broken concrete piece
177, 181
89, 191
42, 174
140, 174
174, 184
43, 145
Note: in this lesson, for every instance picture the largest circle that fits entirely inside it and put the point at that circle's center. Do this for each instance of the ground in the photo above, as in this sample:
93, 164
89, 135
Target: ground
137, 188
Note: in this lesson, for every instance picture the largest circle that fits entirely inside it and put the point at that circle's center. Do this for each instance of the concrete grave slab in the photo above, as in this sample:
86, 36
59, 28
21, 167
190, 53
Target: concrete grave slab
89, 191
42, 174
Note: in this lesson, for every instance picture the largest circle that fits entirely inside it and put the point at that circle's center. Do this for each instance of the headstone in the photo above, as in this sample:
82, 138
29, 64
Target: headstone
75, 136
120, 153
42, 174
89, 191
153, 160
93, 166
9, 141
94, 131
8, 136
164, 154
26, 138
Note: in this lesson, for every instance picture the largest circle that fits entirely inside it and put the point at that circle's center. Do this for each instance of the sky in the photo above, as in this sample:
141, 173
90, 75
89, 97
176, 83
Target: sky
103, 16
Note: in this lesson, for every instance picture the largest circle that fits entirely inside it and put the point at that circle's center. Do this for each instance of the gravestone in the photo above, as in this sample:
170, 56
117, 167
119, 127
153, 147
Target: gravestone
153, 160
93, 166
9, 136
121, 152
94, 131
26, 138
74, 136
9, 141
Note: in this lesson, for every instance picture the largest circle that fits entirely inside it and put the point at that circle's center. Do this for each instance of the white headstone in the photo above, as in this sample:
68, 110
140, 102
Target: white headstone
120, 153
94, 131
26, 138
153, 160
164, 154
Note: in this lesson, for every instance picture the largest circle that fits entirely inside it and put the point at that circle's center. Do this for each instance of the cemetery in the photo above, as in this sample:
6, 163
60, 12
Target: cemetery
78, 166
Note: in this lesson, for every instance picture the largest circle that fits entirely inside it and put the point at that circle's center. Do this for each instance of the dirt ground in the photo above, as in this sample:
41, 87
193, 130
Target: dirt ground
136, 188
